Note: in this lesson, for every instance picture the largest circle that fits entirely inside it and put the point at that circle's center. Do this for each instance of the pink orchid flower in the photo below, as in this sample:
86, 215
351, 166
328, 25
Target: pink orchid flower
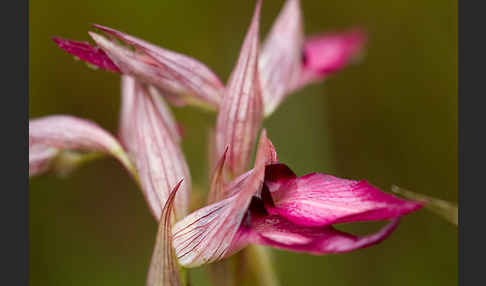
270, 205
287, 61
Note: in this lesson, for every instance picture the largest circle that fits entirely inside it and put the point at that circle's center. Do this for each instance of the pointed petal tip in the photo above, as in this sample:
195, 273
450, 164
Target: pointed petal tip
163, 267
241, 112
86, 52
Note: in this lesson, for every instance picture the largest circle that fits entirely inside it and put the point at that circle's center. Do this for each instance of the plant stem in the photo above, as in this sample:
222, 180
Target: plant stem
257, 264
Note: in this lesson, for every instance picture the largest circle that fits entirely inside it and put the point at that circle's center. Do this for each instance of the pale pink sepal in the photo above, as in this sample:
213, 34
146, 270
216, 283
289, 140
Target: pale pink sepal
87, 53
281, 56
164, 270
158, 155
240, 115
63, 132
128, 92
318, 200
174, 73
326, 54
207, 234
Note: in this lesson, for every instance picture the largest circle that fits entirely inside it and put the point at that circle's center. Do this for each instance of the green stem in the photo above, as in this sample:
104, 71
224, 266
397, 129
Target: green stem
445, 209
259, 264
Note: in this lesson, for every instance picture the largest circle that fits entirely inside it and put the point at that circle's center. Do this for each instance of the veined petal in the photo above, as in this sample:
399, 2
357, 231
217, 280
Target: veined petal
191, 73
159, 159
208, 234
281, 56
240, 115
277, 232
129, 90
87, 53
52, 134
320, 200
328, 53
163, 269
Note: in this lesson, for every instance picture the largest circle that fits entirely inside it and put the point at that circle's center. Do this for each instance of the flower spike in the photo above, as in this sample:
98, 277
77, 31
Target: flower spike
152, 141
281, 56
240, 115
50, 136
163, 269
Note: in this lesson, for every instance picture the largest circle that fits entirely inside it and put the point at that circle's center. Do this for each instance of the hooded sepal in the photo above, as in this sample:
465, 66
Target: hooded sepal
240, 115
281, 56
174, 73
154, 144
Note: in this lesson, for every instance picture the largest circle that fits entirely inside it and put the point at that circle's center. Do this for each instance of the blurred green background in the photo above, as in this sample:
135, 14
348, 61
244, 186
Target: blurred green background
391, 120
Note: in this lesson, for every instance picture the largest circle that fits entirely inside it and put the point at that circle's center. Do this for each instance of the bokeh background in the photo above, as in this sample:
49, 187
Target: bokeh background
391, 119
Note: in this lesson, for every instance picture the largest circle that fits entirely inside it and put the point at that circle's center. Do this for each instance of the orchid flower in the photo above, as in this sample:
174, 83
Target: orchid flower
270, 205
288, 61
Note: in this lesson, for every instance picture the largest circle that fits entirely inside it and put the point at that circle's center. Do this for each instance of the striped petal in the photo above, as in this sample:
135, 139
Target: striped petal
128, 92
174, 73
319, 200
159, 159
51, 135
163, 269
240, 115
207, 235
280, 59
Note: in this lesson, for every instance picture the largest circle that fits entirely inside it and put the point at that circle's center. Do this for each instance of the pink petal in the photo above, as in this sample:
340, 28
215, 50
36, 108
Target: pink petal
320, 200
159, 159
207, 234
329, 53
281, 55
88, 53
178, 75
277, 232
52, 134
240, 115
163, 267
